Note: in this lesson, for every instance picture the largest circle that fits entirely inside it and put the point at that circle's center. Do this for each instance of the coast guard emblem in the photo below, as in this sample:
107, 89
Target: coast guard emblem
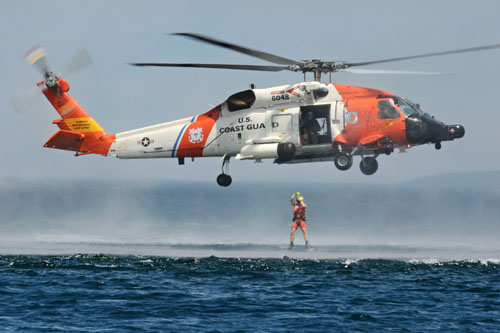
351, 117
196, 135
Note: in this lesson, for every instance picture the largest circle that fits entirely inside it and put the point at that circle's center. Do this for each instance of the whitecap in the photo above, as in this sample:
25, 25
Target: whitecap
486, 262
349, 262
425, 261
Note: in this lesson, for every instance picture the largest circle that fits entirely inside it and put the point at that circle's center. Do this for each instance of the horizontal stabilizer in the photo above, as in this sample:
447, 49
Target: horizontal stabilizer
66, 140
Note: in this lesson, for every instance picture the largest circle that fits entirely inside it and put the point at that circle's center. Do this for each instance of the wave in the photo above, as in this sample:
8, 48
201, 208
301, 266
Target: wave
350, 252
134, 262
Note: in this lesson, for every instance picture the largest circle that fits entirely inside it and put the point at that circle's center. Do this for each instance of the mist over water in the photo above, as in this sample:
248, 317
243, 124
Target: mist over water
453, 216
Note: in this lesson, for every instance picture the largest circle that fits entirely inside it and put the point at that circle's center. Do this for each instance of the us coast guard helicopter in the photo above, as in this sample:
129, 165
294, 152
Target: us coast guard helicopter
293, 123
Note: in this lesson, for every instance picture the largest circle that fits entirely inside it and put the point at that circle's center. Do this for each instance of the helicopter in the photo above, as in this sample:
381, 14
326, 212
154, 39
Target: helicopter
302, 122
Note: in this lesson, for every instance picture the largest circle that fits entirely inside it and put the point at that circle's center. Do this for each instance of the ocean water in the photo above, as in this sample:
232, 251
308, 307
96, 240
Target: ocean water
116, 257
148, 293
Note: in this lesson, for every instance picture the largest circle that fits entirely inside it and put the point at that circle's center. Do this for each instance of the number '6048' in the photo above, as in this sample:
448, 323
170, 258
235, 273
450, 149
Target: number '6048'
280, 97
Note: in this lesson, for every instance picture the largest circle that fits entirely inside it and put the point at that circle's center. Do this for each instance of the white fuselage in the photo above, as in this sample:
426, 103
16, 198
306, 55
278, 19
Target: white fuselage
273, 117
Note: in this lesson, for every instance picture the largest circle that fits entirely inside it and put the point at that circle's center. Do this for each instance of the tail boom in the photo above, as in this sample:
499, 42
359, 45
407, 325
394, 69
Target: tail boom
78, 131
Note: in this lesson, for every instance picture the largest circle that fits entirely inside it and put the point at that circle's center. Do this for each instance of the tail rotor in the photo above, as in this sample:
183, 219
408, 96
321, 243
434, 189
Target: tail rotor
76, 63
25, 99
36, 56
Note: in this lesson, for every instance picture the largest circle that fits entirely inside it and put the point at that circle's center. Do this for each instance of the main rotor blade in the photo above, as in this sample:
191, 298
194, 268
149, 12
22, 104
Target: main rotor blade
254, 53
472, 49
387, 71
223, 66
77, 62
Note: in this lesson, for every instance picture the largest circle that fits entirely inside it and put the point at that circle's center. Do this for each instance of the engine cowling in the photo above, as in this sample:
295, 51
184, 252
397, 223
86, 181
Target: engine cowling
263, 98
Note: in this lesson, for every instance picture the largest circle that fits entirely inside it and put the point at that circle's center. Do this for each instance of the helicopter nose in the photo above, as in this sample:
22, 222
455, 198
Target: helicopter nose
423, 129
450, 132
455, 131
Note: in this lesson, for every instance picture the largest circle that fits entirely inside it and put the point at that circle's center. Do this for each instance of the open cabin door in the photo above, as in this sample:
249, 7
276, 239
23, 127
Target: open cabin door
315, 128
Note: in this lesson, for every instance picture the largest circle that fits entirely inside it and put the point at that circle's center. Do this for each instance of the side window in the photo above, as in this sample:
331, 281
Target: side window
386, 110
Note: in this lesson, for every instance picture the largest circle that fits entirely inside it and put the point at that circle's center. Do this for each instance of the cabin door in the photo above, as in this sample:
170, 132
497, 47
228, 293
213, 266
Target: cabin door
282, 126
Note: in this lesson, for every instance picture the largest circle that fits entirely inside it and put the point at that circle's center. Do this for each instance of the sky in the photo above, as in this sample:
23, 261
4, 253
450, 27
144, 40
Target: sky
121, 97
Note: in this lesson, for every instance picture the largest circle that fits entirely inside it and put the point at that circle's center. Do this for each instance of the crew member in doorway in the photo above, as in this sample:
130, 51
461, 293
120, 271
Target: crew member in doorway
299, 218
310, 128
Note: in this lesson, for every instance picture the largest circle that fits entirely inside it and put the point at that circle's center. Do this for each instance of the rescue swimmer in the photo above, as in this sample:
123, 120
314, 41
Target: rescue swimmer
299, 218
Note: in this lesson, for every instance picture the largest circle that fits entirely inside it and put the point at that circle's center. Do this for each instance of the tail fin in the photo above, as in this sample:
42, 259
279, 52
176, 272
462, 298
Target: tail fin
78, 131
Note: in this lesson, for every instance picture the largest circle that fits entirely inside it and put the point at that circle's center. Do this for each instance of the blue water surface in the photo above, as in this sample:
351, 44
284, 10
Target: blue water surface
88, 293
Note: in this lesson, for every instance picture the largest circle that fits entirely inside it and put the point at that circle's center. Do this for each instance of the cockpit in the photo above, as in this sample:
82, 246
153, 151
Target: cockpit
420, 127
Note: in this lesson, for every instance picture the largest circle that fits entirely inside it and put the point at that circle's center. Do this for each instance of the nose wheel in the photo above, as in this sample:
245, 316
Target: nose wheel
224, 179
343, 161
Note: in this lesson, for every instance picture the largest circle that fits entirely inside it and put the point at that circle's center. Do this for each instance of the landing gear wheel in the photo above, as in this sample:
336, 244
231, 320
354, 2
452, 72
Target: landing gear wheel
224, 180
343, 161
368, 165
437, 145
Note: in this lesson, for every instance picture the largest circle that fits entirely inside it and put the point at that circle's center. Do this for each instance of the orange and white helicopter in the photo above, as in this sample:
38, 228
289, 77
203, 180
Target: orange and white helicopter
292, 123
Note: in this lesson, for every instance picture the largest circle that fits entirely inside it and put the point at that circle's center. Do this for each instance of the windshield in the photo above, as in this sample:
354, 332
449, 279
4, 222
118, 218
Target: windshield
407, 107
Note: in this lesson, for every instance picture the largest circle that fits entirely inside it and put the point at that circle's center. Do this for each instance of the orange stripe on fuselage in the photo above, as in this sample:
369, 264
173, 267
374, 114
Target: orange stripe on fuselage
196, 134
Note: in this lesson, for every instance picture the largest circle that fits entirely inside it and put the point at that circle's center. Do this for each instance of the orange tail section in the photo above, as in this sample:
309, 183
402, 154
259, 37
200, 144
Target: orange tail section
78, 131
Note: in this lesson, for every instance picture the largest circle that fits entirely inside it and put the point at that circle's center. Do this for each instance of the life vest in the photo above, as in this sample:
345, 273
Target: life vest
299, 213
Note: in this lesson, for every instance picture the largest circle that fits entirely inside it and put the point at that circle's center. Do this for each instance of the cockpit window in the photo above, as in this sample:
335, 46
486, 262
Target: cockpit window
386, 110
407, 107
241, 100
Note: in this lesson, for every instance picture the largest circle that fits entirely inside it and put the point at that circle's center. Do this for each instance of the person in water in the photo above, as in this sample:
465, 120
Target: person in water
299, 218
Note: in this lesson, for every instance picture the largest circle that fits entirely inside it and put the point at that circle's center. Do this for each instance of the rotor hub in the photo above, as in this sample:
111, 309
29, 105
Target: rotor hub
51, 80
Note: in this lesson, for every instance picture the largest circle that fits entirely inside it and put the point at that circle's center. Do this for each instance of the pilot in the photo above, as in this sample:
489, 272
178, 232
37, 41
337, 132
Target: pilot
310, 128
387, 110
299, 218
